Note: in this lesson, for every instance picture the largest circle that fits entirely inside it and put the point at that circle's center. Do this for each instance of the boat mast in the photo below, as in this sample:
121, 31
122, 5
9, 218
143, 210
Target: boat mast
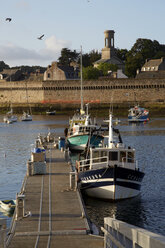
27, 98
81, 79
110, 141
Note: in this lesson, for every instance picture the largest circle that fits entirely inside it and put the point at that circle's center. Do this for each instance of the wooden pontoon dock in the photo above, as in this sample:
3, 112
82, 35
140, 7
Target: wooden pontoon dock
53, 214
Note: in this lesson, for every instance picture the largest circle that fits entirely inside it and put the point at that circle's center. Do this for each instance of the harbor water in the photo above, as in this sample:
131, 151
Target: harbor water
146, 211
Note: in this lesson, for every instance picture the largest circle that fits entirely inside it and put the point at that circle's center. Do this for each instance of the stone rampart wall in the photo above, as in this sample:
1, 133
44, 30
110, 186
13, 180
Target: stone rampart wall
68, 92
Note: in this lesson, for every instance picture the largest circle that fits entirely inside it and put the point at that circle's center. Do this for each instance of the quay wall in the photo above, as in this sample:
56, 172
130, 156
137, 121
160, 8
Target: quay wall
66, 93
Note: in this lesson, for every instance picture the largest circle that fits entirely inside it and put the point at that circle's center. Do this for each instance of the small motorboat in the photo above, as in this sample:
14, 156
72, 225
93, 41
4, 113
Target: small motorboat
8, 205
51, 112
138, 114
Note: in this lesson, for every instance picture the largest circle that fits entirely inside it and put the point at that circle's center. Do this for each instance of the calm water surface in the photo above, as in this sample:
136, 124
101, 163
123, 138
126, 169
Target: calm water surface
146, 211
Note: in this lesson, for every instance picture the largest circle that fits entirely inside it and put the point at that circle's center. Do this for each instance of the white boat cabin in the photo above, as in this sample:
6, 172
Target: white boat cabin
78, 129
106, 157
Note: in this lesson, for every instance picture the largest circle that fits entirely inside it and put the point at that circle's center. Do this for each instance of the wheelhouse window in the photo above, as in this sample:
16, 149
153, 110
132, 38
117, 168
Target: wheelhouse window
122, 156
113, 156
95, 156
103, 154
130, 157
81, 129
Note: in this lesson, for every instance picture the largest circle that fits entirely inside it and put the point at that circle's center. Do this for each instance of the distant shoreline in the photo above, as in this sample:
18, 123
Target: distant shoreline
100, 110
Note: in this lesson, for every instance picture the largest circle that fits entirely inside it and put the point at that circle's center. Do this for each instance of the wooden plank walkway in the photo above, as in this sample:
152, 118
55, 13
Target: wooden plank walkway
56, 211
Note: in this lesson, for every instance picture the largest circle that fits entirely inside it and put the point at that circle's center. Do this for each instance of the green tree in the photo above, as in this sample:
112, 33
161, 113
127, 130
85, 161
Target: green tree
105, 67
90, 73
68, 56
133, 63
94, 56
85, 60
3, 66
159, 55
121, 53
89, 58
141, 50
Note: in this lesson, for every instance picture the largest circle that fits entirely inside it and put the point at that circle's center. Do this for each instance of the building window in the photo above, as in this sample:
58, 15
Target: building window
48, 75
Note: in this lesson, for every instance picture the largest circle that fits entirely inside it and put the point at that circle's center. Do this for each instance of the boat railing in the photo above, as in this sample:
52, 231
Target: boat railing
92, 163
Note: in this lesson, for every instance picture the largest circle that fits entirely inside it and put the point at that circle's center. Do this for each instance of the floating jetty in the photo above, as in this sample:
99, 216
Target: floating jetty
50, 211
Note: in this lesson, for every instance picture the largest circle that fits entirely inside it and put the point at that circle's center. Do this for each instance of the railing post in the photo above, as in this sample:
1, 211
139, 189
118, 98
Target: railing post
20, 206
73, 180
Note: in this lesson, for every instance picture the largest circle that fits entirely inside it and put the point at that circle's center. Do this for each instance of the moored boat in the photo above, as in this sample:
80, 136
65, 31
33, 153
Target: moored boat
8, 205
138, 114
51, 112
83, 131
85, 134
111, 171
10, 118
26, 117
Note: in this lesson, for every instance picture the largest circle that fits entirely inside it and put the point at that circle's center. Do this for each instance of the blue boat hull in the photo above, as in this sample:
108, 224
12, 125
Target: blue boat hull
113, 183
138, 119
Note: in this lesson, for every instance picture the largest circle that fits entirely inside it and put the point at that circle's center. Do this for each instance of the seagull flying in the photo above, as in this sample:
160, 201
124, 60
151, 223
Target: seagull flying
8, 19
40, 38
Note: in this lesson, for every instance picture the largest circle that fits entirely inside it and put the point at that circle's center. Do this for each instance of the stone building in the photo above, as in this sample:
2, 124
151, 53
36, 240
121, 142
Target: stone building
153, 68
58, 72
108, 54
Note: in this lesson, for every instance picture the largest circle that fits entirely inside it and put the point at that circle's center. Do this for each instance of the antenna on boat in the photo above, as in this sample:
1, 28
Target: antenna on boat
110, 134
110, 140
81, 79
87, 108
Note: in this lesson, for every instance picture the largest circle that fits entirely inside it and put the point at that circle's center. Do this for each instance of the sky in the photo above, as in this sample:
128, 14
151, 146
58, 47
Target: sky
72, 24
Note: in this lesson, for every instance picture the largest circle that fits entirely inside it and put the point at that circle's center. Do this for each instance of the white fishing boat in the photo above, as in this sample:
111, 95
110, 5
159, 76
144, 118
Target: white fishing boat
8, 205
111, 170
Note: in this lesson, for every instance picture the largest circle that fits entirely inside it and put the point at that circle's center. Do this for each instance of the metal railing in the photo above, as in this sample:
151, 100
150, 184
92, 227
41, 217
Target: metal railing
92, 163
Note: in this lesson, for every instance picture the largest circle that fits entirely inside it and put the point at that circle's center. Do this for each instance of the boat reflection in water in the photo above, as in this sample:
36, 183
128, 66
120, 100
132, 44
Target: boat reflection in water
129, 210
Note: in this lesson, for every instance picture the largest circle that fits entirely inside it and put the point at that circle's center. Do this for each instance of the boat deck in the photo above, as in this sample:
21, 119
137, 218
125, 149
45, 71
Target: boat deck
55, 212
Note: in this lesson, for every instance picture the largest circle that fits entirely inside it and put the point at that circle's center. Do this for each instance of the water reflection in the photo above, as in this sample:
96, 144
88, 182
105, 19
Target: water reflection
130, 211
